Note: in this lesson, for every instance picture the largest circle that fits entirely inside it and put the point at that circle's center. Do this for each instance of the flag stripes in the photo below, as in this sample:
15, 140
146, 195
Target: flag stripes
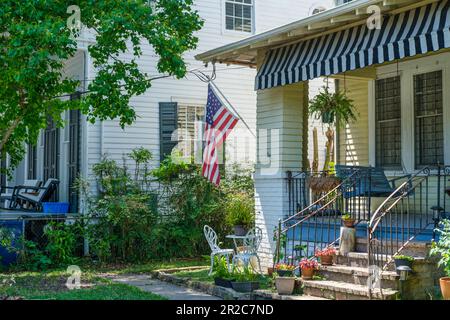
219, 123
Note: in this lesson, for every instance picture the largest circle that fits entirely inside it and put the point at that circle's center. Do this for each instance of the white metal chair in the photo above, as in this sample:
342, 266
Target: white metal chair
252, 242
211, 237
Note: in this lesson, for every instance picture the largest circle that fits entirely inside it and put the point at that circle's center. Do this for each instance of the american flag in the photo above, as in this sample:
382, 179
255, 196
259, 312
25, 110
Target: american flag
219, 123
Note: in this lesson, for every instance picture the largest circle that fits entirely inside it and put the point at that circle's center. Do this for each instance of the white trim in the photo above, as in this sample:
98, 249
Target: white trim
228, 32
407, 70
371, 114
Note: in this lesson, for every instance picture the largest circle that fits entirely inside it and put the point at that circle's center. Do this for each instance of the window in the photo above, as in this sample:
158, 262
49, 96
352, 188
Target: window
32, 162
181, 126
388, 123
428, 114
189, 131
239, 15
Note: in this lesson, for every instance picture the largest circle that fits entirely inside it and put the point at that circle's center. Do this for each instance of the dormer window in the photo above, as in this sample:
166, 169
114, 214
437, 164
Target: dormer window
239, 15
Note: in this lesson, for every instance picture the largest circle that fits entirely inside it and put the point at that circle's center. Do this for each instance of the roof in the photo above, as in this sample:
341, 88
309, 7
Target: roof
244, 52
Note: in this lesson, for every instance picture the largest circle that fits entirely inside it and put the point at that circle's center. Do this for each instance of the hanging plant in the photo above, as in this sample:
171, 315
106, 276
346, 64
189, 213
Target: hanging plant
333, 108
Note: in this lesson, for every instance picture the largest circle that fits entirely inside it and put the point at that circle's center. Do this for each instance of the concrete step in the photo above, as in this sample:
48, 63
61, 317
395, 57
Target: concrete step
353, 259
416, 248
270, 295
357, 275
344, 291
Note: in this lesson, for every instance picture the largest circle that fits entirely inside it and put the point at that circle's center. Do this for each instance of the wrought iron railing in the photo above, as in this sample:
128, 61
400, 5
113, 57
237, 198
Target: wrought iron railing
317, 225
416, 205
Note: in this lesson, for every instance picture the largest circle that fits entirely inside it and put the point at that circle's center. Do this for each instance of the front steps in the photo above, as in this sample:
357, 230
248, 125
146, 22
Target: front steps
337, 290
347, 280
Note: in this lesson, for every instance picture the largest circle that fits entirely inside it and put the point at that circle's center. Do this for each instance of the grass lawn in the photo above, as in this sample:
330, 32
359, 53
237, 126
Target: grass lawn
52, 284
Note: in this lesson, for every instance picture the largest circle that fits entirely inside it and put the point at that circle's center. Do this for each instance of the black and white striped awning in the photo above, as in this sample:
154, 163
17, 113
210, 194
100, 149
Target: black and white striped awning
406, 34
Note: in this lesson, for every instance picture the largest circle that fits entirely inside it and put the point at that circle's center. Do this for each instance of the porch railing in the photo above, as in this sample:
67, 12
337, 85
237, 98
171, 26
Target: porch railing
317, 225
415, 206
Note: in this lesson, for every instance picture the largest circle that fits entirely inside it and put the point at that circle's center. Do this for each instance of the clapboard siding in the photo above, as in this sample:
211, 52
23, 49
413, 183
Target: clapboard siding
353, 140
237, 84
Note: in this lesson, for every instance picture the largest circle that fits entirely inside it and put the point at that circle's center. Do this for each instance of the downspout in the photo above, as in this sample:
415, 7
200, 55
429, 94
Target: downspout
86, 141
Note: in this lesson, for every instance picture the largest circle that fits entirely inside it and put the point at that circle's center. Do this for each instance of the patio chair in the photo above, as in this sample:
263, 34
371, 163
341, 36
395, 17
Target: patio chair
211, 237
31, 198
25, 187
250, 248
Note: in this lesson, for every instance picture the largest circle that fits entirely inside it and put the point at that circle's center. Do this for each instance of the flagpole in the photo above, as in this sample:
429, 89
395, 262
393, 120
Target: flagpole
237, 113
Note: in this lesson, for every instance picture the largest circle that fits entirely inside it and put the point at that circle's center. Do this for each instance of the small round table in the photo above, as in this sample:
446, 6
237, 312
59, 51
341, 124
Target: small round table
237, 239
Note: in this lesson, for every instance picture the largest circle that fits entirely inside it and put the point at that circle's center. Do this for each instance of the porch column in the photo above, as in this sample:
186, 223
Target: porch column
279, 149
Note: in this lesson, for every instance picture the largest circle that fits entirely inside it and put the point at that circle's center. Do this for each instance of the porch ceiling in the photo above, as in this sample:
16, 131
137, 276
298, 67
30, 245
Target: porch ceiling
354, 13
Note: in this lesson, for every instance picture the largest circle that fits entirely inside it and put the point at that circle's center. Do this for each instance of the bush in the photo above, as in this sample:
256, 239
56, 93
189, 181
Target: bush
122, 224
240, 210
442, 247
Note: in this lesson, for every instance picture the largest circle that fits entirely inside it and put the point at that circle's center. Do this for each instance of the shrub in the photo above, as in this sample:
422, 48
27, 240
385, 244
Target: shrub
442, 247
62, 242
240, 210
220, 269
403, 257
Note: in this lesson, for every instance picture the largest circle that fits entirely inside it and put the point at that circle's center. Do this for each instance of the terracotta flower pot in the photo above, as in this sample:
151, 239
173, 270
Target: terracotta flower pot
445, 287
307, 273
285, 285
326, 260
270, 271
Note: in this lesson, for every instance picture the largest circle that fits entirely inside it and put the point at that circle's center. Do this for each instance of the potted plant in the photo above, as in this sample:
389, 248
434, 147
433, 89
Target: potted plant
326, 256
299, 249
285, 281
334, 108
442, 249
284, 270
348, 221
402, 260
240, 213
222, 276
308, 266
245, 280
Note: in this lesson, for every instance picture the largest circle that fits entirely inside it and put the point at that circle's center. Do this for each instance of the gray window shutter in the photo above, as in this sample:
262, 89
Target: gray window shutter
167, 125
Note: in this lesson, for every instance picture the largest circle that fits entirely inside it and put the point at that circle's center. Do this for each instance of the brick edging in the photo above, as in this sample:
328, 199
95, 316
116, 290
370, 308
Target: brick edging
208, 288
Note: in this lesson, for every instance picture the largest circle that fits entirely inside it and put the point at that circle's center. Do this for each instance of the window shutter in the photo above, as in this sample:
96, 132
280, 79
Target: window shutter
167, 125
2, 174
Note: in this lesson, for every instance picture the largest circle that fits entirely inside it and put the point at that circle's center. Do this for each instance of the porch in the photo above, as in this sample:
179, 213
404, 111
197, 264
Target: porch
395, 74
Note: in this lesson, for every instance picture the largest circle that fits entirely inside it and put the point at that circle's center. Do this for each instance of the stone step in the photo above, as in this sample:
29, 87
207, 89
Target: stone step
269, 295
357, 275
353, 259
416, 248
344, 291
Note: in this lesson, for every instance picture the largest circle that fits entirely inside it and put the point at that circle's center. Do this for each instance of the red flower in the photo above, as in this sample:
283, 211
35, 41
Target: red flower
330, 251
308, 264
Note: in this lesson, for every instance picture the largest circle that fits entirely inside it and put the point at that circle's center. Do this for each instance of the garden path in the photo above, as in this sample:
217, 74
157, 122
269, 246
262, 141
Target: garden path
168, 290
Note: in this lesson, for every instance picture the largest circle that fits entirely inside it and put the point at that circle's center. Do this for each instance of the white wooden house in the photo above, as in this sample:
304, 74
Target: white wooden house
397, 75
170, 104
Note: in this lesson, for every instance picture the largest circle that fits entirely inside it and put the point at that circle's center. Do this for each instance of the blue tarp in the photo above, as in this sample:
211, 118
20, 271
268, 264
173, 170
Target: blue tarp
16, 230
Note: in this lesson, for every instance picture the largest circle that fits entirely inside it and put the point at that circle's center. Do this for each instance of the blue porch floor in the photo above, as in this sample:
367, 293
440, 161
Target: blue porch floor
327, 232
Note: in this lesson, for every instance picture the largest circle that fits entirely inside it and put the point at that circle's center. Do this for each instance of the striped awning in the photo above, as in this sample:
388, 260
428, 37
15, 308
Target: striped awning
406, 34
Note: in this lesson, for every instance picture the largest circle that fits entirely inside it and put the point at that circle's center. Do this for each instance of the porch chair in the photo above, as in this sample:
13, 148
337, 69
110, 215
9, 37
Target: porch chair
27, 186
250, 248
26, 200
211, 237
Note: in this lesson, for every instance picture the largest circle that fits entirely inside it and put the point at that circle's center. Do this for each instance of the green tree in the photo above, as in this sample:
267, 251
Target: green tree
35, 40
